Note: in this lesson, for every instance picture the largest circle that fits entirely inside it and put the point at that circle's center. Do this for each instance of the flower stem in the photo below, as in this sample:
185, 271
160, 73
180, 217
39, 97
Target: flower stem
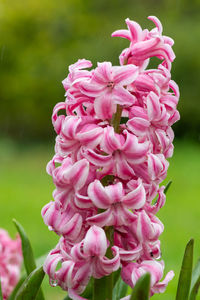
117, 118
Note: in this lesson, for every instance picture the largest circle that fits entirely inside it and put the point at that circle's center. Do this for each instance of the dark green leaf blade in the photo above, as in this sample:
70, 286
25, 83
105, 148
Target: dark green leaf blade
120, 289
27, 251
167, 186
141, 291
29, 261
185, 273
195, 284
14, 292
30, 287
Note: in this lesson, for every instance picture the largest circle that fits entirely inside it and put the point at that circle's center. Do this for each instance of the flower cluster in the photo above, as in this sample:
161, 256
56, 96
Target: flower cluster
10, 262
113, 139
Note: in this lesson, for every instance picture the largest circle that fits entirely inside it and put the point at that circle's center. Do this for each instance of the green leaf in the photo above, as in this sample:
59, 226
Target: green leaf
30, 287
99, 288
120, 289
195, 281
14, 292
116, 276
185, 273
167, 186
141, 290
29, 261
27, 251
1, 296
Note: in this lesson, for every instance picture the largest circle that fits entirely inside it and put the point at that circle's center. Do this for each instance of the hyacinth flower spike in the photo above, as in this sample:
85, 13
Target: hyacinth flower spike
113, 139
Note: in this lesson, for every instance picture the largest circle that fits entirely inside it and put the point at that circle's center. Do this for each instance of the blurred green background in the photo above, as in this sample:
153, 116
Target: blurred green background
38, 40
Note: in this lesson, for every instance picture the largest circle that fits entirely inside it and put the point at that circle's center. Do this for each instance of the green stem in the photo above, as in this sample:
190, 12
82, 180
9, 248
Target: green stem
109, 286
117, 118
99, 290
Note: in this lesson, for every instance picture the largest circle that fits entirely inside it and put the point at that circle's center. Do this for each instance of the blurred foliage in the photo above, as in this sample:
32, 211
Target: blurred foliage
39, 39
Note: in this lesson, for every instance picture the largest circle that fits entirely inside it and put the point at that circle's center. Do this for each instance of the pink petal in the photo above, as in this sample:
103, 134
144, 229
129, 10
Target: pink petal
123, 169
153, 107
115, 192
157, 23
138, 126
78, 173
103, 73
95, 242
97, 159
134, 151
98, 194
122, 96
91, 89
160, 287
143, 50
102, 219
135, 30
110, 140
122, 33
104, 106
124, 75
135, 199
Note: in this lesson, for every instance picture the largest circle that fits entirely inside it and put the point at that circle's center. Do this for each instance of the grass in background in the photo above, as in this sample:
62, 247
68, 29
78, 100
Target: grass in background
26, 188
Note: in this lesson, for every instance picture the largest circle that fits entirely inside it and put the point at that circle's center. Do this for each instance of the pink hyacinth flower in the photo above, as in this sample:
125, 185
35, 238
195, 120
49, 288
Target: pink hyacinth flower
82, 261
10, 262
107, 86
145, 44
116, 202
133, 271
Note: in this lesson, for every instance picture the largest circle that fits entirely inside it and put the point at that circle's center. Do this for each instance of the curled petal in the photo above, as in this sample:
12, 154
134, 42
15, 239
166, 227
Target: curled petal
138, 126
128, 255
135, 30
157, 166
110, 141
58, 120
98, 195
136, 198
111, 265
148, 227
51, 263
115, 192
134, 151
157, 23
97, 159
102, 219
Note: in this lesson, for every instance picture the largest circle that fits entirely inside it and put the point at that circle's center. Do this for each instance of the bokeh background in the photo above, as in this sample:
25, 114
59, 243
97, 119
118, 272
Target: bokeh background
38, 40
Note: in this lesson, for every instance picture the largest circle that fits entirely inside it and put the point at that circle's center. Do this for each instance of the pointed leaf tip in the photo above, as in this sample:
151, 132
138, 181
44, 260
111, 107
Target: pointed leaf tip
141, 291
167, 186
185, 273
29, 261
27, 251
